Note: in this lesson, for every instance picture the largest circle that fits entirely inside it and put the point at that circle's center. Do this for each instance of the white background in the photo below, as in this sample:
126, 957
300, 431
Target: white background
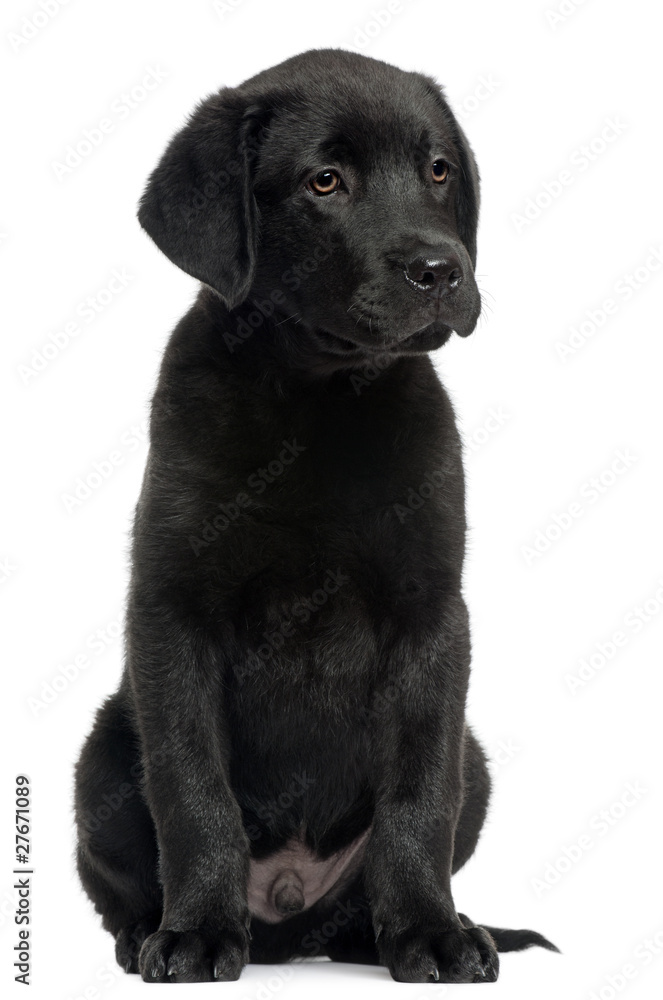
531, 92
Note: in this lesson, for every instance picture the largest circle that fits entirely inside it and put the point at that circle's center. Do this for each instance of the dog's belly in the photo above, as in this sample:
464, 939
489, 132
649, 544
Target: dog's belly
294, 878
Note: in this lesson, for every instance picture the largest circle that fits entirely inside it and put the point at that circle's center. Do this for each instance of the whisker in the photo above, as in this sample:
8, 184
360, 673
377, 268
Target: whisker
287, 318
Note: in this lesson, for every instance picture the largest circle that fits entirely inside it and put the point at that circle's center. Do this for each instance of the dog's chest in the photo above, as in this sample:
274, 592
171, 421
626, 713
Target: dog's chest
350, 535
314, 582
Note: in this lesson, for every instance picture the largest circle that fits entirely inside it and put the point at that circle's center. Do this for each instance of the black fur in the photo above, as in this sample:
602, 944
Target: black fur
297, 646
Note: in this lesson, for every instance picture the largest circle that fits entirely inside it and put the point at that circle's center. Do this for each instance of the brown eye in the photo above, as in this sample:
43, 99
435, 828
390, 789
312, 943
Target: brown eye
440, 171
325, 182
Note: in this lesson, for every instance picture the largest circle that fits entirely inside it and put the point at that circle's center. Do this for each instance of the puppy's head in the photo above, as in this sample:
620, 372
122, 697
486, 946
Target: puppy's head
337, 187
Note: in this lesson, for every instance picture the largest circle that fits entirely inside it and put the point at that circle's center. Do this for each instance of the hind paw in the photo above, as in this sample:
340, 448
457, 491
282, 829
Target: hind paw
130, 940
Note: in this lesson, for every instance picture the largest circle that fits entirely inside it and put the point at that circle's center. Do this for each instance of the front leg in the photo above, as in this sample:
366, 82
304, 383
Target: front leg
176, 681
417, 739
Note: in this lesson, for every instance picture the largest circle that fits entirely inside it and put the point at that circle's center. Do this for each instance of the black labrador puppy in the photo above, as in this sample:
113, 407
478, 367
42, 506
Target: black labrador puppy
286, 769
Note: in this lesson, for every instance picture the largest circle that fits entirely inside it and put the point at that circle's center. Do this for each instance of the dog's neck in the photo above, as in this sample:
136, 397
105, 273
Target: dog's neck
283, 346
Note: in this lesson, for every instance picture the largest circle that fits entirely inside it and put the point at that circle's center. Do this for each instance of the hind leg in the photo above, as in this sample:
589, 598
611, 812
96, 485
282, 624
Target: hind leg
346, 932
117, 850
477, 784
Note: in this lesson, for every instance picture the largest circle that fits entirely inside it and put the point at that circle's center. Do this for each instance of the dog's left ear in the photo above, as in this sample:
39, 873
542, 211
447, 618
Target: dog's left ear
198, 205
468, 195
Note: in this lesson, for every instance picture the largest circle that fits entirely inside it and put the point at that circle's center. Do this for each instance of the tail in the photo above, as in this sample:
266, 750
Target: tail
508, 940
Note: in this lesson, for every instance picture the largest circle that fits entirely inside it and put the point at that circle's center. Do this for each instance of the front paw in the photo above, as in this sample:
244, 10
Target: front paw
455, 955
200, 955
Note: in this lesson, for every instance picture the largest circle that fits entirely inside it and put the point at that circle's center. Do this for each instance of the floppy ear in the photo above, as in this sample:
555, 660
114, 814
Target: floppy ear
468, 196
198, 205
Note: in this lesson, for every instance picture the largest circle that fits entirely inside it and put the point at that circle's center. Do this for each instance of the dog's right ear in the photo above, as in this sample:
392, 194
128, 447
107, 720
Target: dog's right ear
198, 205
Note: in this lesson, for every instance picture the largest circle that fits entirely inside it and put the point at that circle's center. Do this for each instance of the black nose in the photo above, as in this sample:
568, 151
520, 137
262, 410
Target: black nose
438, 276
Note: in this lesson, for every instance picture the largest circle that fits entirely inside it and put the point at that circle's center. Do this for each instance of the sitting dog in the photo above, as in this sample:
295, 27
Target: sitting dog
286, 769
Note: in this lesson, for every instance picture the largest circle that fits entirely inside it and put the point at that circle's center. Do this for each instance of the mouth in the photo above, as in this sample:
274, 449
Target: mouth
428, 336
424, 322
339, 346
